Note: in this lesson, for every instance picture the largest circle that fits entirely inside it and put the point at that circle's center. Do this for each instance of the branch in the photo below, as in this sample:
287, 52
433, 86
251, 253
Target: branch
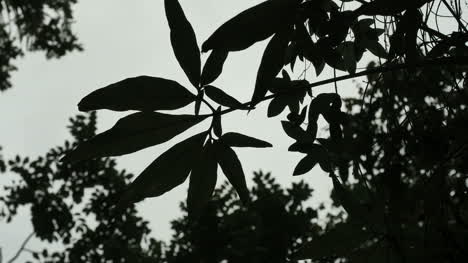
439, 62
460, 23
23, 247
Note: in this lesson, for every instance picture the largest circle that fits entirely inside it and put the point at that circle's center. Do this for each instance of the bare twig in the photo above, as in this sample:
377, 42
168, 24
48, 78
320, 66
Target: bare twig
22, 248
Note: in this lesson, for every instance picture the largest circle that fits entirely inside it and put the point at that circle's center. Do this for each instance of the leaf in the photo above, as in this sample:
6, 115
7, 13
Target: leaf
293, 131
252, 25
276, 106
347, 49
305, 165
234, 139
213, 66
217, 126
169, 170
202, 181
132, 133
271, 64
222, 98
355, 210
376, 48
141, 93
232, 168
184, 41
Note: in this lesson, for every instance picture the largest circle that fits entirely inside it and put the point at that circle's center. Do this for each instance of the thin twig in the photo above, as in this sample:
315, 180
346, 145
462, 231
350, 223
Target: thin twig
22, 248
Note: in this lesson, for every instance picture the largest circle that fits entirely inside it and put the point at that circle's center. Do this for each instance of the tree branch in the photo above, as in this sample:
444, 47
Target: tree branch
439, 62
21, 249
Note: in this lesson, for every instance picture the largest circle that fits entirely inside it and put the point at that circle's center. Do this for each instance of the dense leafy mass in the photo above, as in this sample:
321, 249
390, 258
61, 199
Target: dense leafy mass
70, 206
39, 25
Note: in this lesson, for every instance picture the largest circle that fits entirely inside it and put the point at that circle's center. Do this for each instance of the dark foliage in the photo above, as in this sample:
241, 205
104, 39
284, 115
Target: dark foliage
39, 25
276, 223
70, 205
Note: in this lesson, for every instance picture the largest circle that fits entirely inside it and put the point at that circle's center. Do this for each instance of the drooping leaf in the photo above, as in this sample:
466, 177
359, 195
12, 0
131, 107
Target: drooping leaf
293, 131
232, 168
217, 125
234, 139
213, 66
322, 103
169, 170
202, 181
133, 133
221, 97
141, 93
271, 64
305, 164
184, 41
252, 25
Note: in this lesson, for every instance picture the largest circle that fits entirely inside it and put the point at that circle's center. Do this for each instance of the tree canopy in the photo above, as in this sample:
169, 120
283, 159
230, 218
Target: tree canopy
39, 25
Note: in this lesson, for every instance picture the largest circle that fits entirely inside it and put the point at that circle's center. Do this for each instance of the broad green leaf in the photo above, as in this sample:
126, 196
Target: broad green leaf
213, 66
233, 139
169, 170
184, 41
305, 164
141, 93
252, 25
132, 133
221, 97
202, 181
271, 64
232, 168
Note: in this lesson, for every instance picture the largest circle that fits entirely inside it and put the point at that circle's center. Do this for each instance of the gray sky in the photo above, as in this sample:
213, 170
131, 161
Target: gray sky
124, 39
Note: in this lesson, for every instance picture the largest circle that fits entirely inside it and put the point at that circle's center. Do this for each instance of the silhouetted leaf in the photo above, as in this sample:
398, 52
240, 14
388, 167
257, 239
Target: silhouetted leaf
169, 170
355, 210
142, 93
252, 25
198, 102
213, 66
239, 140
271, 64
321, 104
305, 164
232, 168
217, 126
133, 133
276, 106
184, 41
375, 48
347, 49
221, 97
293, 131
202, 181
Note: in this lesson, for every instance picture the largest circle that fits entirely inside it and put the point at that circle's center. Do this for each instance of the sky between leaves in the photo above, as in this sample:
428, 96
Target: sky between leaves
126, 39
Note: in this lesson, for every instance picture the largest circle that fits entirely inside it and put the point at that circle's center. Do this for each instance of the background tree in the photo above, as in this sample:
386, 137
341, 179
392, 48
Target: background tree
38, 25
274, 225
70, 206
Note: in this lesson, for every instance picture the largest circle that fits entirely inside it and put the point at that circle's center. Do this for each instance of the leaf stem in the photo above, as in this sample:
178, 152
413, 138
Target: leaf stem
22, 248
458, 60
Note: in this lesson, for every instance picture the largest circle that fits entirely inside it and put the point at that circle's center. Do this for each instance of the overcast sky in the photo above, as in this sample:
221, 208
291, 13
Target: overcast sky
125, 39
